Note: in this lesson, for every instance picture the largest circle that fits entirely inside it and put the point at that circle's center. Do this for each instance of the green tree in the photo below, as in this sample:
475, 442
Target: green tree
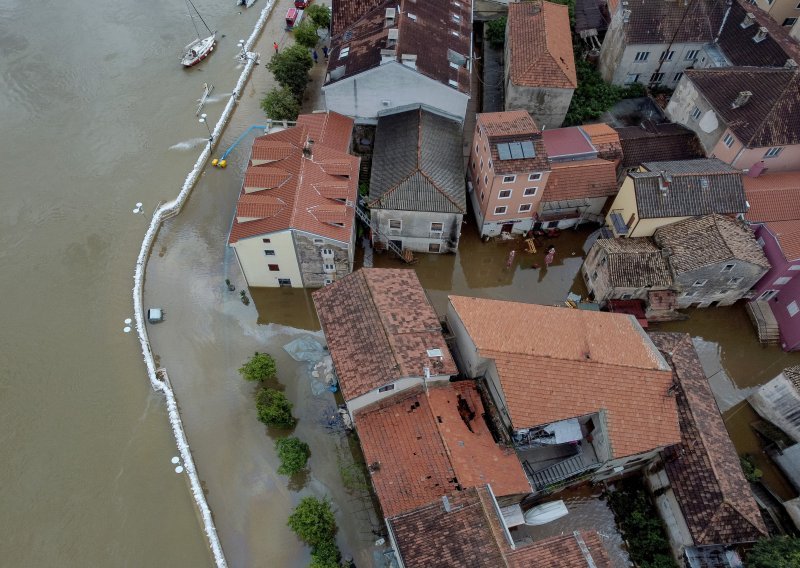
496, 32
260, 367
306, 34
280, 104
594, 96
290, 68
293, 453
778, 552
274, 409
320, 15
313, 521
326, 555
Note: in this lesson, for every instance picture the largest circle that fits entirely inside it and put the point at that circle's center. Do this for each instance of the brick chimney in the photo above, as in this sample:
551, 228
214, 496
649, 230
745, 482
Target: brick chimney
741, 99
761, 35
308, 147
749, 20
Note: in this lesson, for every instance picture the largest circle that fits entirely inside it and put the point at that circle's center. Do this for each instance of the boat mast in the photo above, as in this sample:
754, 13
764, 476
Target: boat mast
189, 2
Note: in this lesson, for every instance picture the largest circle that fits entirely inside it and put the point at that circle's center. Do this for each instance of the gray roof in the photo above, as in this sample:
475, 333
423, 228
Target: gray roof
417, 164
703, 241
635, 263
698, 187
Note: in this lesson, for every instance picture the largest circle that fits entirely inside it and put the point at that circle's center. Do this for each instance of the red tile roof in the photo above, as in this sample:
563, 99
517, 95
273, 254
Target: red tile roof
283, 193
541, 45
600, 133
705, 475
581, 179
379, 325
328, 128
603, 361
788, 235
424, 449
508, 123
565, 551
775, 200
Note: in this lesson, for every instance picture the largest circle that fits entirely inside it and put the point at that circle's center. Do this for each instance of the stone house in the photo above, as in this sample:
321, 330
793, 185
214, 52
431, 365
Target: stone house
417, 196
295, 223
625, 269
508, 170
394, 53
715, 260
747, 117
700, 490
661, 193
540, 74
616, 413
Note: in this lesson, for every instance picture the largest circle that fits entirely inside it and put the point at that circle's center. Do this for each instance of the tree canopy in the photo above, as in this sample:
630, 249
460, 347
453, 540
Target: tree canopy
496, 32
313, 521
290, 68
778, 552
320, 15
293, 454
274, 409
306, 34
260, 367
280, 104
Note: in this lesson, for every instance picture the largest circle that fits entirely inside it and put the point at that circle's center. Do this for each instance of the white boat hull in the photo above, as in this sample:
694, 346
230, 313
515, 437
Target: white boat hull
545, 513
198, 50
245, 3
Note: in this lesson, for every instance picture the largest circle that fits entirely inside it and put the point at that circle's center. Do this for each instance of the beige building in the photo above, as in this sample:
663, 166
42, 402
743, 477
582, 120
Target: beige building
661, 193
295, 220
785, 12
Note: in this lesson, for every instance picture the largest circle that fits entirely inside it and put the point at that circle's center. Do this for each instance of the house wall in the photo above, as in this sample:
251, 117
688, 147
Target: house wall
309, 254
470, 362
613, 47
670, 511
254, 262
596, 276
628, 464
778, 402
718, 287
779, 10
625, 204
568, 213
548, 106
788, 324
400, 385
744, 158
415, 233
390, 86
709, 127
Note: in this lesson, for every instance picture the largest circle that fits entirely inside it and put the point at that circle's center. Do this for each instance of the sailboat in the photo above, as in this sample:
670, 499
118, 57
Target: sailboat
200, 48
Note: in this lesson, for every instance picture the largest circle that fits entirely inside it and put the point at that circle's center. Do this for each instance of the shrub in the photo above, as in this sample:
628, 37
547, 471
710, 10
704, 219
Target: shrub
260, 367
594, 96
306, 34
751, 472
320, 15
280, 104
293, 453
326, 555
290, 67
313, 522
496, 32
274, 409
778, 552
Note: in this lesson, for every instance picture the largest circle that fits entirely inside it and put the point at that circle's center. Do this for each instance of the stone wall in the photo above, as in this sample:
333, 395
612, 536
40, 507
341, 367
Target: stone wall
309, 257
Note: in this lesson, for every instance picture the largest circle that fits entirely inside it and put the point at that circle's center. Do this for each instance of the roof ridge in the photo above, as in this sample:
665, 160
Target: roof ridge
774, 108
591, 361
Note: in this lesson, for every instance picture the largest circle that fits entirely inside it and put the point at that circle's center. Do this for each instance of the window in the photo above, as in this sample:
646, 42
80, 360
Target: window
666, 56
696, 113
789, 21
773, 152
792, 308
395, 224
490, 164
794, 266
691, 55
344, 52
500, 210
504, 194
688, 294
266, 240
387, 388
656, 77
269, 252
482, 196
603, 261
327, 267
273, 267
284, 282
530, 191
319, 241
481, 164
594, 275
473, 164
768, 295
434, 247
509, 179
642, 55
735, 281
525, 207
327, 252
437, 227
677, 77
782, 280
761, 244
477, 148
699, 283
627, 296
728, 267
328, 281
632, 78
534, 177
728, 140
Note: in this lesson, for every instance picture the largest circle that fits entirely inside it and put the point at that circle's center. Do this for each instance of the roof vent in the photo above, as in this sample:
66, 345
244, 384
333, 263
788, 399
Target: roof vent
761, 35
626, 16
790, 64
446, 504
412, 16
749, 20
390, 15
409, 60
704, 183
664, 181
741, 99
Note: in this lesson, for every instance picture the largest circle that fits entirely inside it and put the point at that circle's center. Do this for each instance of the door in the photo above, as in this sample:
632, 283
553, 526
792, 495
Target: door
397, 243
507, 228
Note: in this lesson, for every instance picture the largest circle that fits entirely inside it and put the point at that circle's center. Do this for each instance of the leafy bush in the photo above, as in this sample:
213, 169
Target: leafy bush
293, 453
280, 104
641, 526
260, 367
320, 15
778, 552
594, 96
751, 472
306, 34
496, 32
290, 67
274, 409
326, 555
313, 522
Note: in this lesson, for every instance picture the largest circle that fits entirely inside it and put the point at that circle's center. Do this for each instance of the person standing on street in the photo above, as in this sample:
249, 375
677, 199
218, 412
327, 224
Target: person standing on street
275, 45
325, 52
314, 55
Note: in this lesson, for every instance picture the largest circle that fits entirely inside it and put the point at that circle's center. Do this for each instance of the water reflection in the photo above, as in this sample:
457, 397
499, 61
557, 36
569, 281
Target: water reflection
291, 307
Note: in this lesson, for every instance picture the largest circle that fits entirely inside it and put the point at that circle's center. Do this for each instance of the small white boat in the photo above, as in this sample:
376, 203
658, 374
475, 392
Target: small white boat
545, 513
245, 3
198, 50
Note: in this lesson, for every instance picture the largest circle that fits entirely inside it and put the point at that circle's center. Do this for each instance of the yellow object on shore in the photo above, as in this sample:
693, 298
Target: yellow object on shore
214, 162
223, 163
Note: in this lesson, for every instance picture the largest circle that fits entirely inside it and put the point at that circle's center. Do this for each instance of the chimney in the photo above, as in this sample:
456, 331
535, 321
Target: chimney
741, 99
390, 16
790, 64
749, 20
664, 181
307, 148
761, 35
626, 16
